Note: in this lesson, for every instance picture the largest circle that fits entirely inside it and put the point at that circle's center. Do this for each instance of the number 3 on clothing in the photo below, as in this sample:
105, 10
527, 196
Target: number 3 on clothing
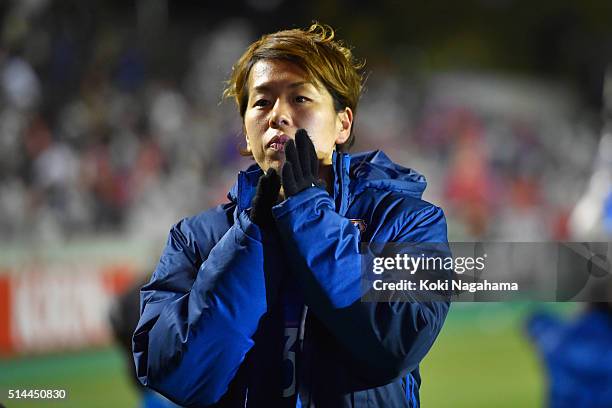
289, 361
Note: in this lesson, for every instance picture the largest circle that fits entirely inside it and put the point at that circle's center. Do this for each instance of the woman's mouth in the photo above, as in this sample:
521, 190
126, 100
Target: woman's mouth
277, 143
277, 146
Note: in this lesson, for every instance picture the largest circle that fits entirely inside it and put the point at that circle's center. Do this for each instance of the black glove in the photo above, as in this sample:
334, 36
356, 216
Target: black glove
301, 168
266, 196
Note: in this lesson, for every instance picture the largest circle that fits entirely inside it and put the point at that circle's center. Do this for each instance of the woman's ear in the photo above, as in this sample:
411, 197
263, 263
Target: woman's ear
246, 137
345, 123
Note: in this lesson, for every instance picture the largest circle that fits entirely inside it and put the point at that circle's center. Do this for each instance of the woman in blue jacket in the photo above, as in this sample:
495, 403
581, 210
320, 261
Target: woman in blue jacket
257, 302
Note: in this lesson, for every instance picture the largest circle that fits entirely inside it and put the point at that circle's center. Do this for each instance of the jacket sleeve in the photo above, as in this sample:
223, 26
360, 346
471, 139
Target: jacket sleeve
387, 339
197, 320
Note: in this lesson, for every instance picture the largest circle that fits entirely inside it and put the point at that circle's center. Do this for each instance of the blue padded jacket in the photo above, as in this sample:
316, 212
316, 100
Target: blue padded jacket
239, 316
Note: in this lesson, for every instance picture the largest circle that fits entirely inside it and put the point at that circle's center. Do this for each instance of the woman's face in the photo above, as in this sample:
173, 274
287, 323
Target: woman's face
281, 101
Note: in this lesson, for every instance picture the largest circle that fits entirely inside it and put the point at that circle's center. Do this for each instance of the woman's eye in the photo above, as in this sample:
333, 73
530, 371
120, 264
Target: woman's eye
261, 102
301, 99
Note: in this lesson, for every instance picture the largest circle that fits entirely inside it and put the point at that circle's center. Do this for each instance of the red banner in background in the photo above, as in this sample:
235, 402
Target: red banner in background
50, 308
5, 315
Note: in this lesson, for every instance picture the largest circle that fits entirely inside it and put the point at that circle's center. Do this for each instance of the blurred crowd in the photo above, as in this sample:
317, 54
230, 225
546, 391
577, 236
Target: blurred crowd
94, 140
92, 144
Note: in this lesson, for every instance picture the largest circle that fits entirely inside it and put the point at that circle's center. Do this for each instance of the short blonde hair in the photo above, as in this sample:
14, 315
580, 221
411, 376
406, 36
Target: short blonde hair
325, 60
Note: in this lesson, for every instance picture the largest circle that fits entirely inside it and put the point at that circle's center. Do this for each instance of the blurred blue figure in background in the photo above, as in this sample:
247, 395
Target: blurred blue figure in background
577, 356
124, 316
578, 353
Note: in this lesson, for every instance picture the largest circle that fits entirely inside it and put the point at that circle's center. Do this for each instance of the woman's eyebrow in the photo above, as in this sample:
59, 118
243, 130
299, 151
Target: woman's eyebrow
266, 87
298, 84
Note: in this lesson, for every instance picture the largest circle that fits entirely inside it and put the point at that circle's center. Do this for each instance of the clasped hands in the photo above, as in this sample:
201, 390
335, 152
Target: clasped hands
300, 171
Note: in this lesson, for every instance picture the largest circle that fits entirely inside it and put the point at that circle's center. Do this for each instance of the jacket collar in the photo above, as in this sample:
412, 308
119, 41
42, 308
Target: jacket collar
352, 175
375, 170
243, 191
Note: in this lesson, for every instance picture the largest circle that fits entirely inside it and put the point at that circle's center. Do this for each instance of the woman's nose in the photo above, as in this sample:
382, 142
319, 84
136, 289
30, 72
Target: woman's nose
280, 115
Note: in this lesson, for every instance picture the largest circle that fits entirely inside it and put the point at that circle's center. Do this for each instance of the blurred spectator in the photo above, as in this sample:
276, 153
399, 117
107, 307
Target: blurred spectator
20, 84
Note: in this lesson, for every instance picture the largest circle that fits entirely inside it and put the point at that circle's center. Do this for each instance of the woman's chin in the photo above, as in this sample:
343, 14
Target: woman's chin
276, 164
